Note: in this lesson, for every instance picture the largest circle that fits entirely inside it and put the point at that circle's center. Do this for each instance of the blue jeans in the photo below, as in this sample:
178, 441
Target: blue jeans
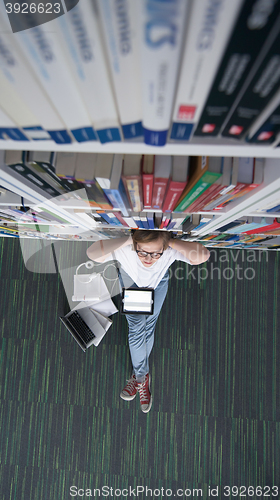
141, 331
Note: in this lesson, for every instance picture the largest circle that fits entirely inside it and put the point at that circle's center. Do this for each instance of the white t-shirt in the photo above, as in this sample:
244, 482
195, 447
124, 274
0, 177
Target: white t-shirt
141, 275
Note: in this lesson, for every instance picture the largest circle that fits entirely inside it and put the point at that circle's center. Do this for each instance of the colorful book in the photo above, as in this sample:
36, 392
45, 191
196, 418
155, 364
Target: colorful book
81, 39
148, 165
163, 165
131, 176
239, 63
121, 35
116, 193
162, 26
210, 27
177, 182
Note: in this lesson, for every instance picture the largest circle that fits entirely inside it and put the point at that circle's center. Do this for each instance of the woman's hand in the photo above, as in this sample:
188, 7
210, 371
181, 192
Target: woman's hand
100, 250
196, 253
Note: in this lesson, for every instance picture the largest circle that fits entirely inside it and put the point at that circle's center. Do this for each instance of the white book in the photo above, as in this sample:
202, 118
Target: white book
162, 29
210, 26
80, 37
8, 128
12, 104
43, 50
21, 78
121, 36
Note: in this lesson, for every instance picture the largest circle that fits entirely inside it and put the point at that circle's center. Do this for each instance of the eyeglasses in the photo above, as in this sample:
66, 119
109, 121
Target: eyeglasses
154, 255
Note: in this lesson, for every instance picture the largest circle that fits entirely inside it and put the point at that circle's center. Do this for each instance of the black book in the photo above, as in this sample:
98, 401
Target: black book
251, 33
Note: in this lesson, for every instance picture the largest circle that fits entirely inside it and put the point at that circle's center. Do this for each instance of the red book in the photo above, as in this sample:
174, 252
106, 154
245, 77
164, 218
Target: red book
173, 193
198, 204
239, 190
272, 227
162, 173
177, 182
148, 162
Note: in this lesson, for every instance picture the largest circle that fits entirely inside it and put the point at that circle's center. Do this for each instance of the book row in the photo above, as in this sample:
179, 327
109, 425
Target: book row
151, 71
135, 183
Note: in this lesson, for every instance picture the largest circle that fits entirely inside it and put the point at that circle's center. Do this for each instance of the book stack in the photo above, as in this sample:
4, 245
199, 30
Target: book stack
106, 72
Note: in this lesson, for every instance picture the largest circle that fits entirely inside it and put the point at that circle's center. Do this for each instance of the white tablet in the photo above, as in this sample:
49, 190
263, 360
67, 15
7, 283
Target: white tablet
137, 301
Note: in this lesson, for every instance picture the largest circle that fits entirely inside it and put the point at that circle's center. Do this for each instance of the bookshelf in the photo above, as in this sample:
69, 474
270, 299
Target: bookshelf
205, 148
58, 115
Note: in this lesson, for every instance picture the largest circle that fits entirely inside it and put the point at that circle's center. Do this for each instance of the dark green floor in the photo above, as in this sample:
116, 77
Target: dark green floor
215, 419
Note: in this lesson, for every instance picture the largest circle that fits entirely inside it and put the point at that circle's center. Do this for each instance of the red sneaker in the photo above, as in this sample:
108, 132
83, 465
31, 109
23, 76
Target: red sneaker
145, 394
129, 391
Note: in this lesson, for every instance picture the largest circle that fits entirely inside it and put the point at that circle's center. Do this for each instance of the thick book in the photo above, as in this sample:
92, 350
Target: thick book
148, 165
65, 163
273, 228
116, 192
23, 79
239, 63
210, 27
26, 172
216, 164
262, 88
81, 40
199, 165
163, 165
103, 169
162, 27
244, 182
14, 107
85, 166
43, 50
121, 35
9, 130
266, 127
131, 176
177, 182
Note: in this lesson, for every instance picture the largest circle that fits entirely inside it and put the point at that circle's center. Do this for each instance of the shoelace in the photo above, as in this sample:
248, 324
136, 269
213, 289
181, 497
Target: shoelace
131, 383
143, 392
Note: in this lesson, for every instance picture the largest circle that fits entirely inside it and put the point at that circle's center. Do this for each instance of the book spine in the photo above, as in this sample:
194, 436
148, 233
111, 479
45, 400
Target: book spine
20, 77
210, 27
116, 200
160, 55
238, 64
173, 193
160, 185
148, 181
133, 187
261, 90
202, 184
267, 132
27, 173
239, 186
8, 129
44, 53
150, 218
207, 195
80, 36
121, 35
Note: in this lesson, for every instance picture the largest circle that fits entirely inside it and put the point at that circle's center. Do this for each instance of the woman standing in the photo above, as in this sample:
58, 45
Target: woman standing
144, 259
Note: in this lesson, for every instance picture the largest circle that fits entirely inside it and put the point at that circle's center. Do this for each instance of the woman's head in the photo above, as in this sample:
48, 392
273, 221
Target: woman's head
151, 242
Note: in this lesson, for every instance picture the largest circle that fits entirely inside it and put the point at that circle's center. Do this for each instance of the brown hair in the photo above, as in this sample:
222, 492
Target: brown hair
140, 236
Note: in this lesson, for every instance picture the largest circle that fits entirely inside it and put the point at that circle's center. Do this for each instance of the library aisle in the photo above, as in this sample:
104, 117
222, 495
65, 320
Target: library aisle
215, 420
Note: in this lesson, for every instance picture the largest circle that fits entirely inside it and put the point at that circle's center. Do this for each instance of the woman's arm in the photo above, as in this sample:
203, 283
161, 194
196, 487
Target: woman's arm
196, 253
101, 249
